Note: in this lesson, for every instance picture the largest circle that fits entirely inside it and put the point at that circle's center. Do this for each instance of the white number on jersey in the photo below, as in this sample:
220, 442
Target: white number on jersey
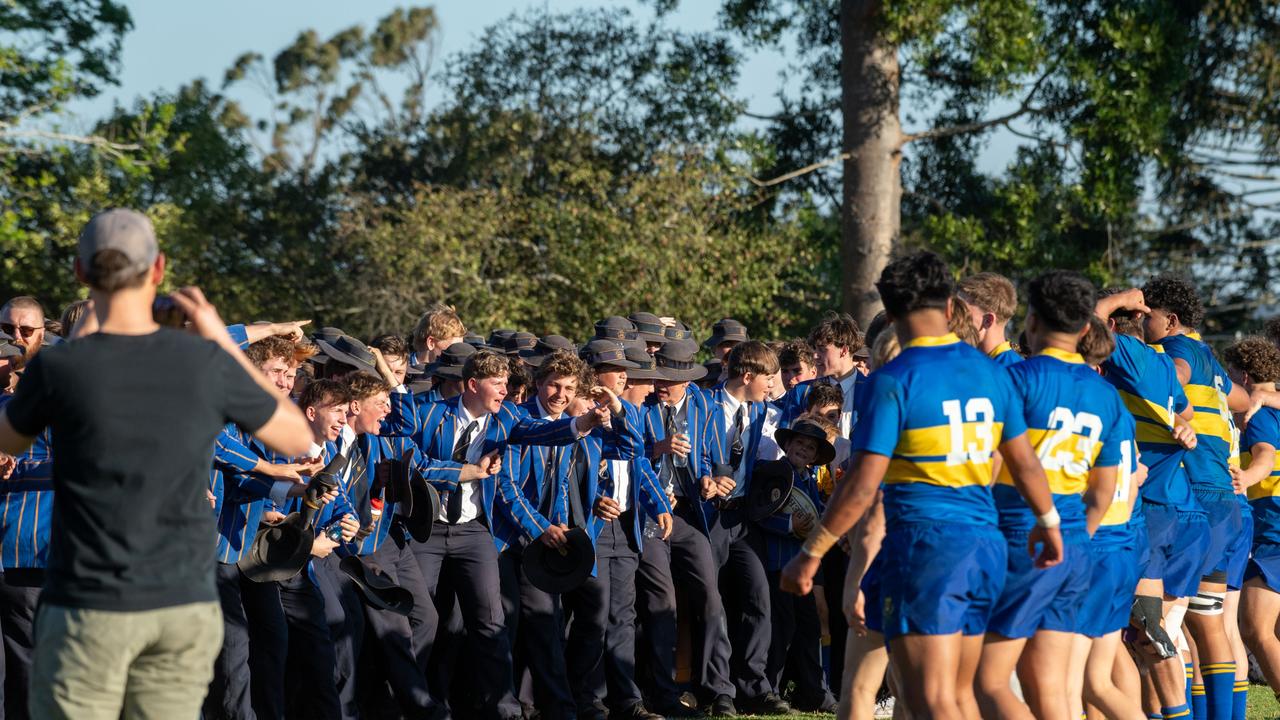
976, 410
1064, 425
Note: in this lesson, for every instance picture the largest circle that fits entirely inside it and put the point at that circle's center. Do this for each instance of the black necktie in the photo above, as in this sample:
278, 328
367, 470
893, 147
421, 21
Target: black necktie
737, 451
453, 512
548, 481
668, 421
577, 481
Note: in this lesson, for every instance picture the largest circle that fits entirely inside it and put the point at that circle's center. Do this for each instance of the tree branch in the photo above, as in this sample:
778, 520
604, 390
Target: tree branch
113, 148
801, 171
950, 131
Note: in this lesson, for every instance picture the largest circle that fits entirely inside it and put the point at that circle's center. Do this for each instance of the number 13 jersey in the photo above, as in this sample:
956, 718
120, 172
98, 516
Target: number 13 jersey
939, 411
1074, 423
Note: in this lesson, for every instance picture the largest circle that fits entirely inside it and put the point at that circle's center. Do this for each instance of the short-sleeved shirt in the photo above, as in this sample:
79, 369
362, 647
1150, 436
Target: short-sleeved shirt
1207, 390
1264, 498
134, 420
1073, 422
938, 411
1148, 385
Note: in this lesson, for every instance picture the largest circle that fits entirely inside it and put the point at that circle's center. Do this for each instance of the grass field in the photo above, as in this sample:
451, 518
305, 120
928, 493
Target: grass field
1262, 706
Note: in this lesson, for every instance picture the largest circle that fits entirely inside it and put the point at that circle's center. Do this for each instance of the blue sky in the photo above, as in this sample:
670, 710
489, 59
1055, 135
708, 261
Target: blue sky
174, 41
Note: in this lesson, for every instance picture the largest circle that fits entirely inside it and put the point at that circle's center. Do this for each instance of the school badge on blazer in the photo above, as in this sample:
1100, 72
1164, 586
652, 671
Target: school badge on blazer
279, 551
559, 571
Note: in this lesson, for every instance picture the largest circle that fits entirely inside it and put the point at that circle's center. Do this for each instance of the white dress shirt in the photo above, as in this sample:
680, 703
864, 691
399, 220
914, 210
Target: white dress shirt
471, 495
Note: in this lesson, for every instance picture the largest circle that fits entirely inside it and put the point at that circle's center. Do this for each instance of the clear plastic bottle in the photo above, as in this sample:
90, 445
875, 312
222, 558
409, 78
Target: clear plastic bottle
682, 429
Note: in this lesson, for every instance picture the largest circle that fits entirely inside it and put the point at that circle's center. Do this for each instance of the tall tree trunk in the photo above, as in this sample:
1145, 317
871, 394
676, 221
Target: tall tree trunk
871, 212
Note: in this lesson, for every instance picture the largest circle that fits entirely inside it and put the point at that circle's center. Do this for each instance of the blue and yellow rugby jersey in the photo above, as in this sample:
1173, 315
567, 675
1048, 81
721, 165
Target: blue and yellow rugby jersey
1148, 386
1118, 524
1264, 498
1073, 418
1207, 389
1005, 355
938, 411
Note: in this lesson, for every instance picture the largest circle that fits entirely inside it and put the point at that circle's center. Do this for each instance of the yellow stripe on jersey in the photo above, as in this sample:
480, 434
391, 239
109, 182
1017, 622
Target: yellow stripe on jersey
1141, 407
931, 455
967, 474
1066, 457
1269, 486
1209, 419
1121, 509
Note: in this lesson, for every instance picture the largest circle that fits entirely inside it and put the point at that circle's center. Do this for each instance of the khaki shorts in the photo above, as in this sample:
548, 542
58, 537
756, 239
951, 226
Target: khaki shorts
154, 664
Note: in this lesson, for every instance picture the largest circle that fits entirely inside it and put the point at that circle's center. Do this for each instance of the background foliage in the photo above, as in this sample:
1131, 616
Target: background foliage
593, 162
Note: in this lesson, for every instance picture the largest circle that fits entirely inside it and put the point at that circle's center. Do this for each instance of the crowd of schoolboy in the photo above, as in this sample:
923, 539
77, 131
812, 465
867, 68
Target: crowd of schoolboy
1119, 450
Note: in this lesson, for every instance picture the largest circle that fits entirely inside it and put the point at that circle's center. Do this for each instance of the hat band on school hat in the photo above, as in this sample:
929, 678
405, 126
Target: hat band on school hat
606, 356
651, 328
673, 364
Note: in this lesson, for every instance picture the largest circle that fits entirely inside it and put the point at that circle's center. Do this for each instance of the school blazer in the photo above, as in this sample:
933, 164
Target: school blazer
508, 509
698, 416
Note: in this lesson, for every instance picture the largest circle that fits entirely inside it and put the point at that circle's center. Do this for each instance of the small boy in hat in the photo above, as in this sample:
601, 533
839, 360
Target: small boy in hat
797, 631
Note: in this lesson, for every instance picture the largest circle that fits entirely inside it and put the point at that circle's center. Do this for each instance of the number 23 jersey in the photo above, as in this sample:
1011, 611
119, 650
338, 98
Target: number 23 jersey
1074, 423
939, 411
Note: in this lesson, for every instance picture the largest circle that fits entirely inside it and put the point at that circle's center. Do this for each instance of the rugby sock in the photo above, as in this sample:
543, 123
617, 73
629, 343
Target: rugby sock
1181, 712
1219, 685
1199, 702
1188, 687
1241, 700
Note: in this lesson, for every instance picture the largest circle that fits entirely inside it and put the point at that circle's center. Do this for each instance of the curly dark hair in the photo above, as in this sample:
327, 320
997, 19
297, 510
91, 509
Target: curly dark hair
1063, 300
1272, 331
823, 395
1257, 356
1176, 296
838, 329
918, 281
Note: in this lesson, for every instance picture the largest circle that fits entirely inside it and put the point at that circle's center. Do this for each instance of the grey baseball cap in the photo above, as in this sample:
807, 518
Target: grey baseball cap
127, 231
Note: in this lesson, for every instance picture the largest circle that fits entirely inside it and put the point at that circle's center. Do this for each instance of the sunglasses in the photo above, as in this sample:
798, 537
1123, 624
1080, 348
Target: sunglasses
25, 330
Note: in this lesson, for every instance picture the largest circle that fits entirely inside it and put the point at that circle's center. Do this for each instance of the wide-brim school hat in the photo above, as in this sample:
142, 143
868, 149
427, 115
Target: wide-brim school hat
378, 589
674, 360
727, 330
417, 502
678, 331
349, 351
518, 342
560, 571
615, 328
648, 327
475, 340
645, 368
451, 361
328, 334
804, 428
545, 346
279, 551
599, 353
771, 484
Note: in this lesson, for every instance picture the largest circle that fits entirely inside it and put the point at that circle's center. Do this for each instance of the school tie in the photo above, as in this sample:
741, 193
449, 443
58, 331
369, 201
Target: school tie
668, 420
736, 451
453, 512
548, 481
577, 480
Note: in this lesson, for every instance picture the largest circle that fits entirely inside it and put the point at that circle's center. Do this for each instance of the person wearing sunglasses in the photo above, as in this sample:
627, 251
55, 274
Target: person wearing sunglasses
23, 318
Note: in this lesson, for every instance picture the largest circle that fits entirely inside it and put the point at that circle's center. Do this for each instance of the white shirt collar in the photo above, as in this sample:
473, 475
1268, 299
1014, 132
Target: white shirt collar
542, 411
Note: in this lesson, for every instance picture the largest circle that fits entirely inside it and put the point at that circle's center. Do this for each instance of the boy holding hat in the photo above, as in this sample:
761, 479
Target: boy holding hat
797, 632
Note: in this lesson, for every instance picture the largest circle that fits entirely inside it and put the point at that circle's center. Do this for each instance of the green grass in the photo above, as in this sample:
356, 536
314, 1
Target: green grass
1262, 703
1262, 706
